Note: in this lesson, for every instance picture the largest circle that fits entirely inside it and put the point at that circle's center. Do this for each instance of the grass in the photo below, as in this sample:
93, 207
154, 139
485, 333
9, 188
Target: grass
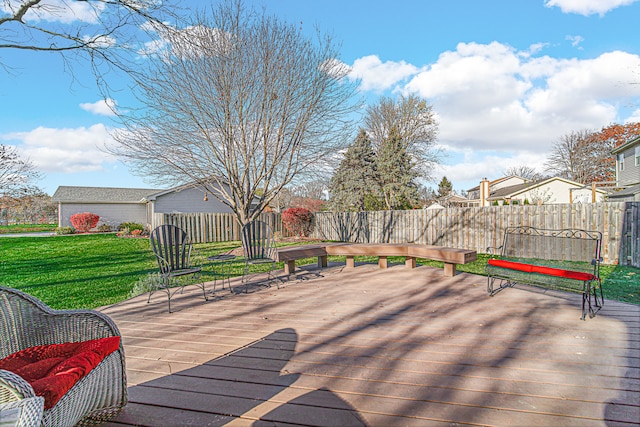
26, 228
83, 271
89, 271
620, 283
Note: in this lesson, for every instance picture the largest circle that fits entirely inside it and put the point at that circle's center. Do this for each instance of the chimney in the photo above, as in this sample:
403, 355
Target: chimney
484, 192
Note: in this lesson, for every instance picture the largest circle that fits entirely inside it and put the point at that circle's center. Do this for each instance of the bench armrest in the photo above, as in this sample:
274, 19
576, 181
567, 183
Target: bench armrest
493, 250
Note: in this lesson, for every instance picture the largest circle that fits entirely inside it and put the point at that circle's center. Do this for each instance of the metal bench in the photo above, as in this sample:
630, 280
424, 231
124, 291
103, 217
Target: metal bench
566, 259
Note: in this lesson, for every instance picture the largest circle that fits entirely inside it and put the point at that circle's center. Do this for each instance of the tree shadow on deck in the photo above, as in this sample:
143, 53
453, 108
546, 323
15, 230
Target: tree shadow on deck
249, 383
401, 346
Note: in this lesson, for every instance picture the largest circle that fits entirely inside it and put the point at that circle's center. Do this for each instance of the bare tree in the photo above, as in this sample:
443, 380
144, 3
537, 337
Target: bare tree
579, 156
240, 100
35, 207
415, 123
523, 171
17, 175
107, 33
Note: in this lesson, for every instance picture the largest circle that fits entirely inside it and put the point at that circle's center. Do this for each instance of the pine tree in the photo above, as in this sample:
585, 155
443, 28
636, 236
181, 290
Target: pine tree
354, 182
445, 187
396, 173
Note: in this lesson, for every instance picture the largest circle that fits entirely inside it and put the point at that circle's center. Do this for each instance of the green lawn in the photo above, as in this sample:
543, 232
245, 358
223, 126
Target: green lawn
26, 228
89, 271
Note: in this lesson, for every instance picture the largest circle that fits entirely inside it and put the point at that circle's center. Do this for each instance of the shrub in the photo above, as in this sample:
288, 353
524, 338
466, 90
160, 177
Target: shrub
148, 283
298, 221
136, 232
124, 232
104, 228
65, 230
84, 221
131, 226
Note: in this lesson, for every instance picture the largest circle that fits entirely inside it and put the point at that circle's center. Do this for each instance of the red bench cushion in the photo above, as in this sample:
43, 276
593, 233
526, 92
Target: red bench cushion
549, 271
53, 369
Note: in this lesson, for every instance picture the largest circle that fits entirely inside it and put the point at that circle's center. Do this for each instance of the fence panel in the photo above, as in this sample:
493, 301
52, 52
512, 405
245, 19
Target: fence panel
214, 227
480, 228
468, 228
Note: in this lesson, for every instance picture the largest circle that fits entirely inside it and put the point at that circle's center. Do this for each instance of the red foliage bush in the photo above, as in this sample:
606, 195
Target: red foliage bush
84, 221
298, 221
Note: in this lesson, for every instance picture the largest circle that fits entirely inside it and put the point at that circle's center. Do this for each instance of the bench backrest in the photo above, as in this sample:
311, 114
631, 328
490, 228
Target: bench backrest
556, 245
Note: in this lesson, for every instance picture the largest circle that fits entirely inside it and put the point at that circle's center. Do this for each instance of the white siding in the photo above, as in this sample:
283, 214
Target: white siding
557, 191
110, 213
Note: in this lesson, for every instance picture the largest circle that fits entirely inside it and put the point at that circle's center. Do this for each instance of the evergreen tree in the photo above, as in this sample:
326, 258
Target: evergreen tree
396, 173
354, 183
445, 187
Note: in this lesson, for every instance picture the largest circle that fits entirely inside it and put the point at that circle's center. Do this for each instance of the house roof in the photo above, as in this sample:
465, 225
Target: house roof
157, 193
626, 145
496, 181
455, 198
630, 191
71, 194
514, 190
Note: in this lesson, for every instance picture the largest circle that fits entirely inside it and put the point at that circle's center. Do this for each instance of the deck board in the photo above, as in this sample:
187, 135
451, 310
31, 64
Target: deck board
379, 347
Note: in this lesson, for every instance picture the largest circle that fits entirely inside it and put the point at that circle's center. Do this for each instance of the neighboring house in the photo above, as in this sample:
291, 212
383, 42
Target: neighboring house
118, 205
454, 200
546, 191
478, 195
186, 198
627, 172
113, 205
514, 189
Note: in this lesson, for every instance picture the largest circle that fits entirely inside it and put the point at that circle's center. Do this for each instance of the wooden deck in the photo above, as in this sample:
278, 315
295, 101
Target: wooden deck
372, 347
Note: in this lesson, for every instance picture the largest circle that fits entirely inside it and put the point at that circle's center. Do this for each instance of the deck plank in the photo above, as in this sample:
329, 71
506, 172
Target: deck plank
379, 347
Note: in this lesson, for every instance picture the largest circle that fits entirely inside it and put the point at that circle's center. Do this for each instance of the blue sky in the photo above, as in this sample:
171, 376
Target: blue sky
506, 79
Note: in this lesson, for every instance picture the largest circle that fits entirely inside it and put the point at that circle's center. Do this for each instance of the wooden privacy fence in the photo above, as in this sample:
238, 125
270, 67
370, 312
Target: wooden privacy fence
480, 228
213, 227
465, 228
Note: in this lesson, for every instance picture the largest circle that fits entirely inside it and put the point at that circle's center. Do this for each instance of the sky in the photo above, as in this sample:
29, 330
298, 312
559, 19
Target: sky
506, 79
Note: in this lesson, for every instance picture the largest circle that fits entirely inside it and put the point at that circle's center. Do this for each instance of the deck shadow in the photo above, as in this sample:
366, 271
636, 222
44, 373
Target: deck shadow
243, 383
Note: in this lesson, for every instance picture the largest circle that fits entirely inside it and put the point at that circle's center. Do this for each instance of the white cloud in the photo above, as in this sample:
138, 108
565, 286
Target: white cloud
469, 170
378, 76
104, 107
65, 150
502, 107
575, 40
634, 117
587, 7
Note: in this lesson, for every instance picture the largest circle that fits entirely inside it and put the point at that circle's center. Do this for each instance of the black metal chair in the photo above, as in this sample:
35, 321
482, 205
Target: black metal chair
172, 249
259, 247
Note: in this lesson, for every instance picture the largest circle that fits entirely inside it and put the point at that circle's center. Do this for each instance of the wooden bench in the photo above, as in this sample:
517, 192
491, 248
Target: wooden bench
291, 254
450, 256
566, 259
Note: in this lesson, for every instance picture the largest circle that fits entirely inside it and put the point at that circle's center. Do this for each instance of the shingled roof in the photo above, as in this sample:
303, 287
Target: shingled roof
70, 194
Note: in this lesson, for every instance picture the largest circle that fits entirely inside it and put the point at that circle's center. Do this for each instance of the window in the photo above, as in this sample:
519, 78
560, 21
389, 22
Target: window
638, 155
621, 161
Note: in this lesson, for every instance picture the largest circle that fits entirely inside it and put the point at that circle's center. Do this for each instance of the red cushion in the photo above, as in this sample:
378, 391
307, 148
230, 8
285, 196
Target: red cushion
549, 271
53, 369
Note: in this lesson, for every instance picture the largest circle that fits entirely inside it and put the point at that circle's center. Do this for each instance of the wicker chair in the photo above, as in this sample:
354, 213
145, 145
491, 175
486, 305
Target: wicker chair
26, 322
